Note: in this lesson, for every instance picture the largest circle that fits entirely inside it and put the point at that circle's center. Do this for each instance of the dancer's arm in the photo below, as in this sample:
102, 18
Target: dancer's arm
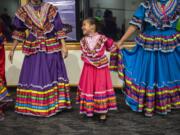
11, 54
64, 48
131, 29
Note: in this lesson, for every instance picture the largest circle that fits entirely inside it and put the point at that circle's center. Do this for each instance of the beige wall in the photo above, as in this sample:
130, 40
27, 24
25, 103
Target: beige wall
73, 64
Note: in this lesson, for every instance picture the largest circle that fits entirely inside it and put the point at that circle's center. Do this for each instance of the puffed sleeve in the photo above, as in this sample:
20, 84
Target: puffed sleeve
138, 17
114, 60
110, 46
61, 34
19, 32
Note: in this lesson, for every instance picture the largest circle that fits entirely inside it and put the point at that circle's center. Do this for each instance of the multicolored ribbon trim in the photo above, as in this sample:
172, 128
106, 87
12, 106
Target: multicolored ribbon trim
97, 103
45, 103
137, 22
42, 45
61, 34
19, 35
3, 91
159, 100
158, 43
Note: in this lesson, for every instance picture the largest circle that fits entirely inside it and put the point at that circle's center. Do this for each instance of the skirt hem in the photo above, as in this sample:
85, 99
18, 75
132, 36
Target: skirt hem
32, 114
98, 112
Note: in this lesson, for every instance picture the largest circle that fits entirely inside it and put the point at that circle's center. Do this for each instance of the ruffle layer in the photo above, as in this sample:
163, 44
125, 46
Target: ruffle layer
61, 34
158, 43
139, 95
97, 62
41, 45
43, 103
157, 100
18, 35
4, 94
137, 22
100, 102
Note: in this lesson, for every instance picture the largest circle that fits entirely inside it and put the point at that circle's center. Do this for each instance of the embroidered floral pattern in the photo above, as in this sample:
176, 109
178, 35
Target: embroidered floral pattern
155, 17
39, 27
38, 17
98, 47
93, 56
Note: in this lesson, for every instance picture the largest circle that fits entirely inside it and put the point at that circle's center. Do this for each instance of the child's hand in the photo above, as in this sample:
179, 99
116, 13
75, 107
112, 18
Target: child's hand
64, 51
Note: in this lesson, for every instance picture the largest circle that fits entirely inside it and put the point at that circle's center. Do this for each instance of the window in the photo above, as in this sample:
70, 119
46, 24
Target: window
114, 14
7, 10
67, 10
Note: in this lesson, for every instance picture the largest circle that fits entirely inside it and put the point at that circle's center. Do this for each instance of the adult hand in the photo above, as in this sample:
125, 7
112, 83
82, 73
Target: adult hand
64, 51
120, 45
11, 55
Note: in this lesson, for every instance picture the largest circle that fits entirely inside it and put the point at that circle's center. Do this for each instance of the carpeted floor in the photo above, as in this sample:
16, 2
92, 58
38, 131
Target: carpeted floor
121, 122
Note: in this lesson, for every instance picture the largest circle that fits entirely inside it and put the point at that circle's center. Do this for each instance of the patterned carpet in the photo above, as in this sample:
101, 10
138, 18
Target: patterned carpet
121, 122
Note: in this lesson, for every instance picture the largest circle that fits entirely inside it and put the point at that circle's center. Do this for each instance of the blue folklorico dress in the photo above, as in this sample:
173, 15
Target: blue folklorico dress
151, 70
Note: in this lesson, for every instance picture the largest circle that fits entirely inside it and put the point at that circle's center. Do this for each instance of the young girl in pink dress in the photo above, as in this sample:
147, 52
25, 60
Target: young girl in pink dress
95, 91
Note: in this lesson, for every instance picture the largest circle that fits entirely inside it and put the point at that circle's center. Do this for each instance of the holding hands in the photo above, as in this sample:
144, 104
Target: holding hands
119, 45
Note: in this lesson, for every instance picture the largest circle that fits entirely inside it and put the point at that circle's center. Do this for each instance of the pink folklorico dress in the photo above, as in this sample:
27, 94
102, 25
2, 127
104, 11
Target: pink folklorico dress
95, 91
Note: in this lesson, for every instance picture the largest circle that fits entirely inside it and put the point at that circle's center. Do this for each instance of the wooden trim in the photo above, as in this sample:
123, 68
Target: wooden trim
70, 45
23, 2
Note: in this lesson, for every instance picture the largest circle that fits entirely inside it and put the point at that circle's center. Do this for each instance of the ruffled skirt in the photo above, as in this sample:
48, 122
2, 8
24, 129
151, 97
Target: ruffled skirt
43, 86
95, 93
152, 79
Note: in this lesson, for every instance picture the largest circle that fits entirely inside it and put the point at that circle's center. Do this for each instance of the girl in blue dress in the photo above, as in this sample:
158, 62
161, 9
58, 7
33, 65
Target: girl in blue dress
151, 70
